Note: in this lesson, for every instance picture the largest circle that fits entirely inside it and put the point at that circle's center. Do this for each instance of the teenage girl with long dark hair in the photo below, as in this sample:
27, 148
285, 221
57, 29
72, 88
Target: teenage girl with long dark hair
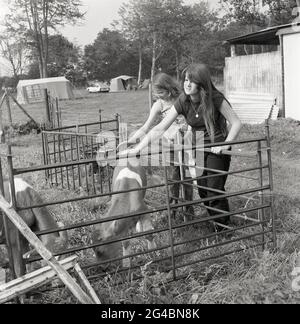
205, 109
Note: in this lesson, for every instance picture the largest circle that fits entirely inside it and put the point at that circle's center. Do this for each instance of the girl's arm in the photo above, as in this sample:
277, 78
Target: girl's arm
155, 111
155, 133
235, 123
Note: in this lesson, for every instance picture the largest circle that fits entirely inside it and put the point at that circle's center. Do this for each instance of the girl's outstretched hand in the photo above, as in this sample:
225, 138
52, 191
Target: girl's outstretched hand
128, 152
219, 149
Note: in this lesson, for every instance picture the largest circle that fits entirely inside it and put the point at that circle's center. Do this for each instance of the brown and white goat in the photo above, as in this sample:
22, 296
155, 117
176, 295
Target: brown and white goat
124, 178
38, 219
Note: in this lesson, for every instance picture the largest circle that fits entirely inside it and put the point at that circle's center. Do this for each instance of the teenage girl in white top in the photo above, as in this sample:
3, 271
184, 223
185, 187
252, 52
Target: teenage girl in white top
166, 91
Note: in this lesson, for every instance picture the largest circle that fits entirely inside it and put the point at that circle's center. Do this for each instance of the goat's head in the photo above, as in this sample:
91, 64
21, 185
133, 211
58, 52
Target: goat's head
54, 244
101, 233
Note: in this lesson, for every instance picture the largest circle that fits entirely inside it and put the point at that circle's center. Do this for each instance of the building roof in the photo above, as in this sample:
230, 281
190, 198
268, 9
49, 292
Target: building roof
266, 36
125, 77
41, 81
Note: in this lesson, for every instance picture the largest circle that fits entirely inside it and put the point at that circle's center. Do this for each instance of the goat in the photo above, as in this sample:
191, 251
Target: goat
38, 219
124, 178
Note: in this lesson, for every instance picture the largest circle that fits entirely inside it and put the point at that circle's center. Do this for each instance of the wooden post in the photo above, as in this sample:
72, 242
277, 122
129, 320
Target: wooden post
8, 108
233, 50
1, 179
5, 224
271, 183
2, 135
18, 255
48, 117
2, 99
282, 75
58, 113
118, 117
150, 96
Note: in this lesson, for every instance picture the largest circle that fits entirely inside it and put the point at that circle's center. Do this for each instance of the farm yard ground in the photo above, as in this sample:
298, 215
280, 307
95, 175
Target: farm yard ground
252, 276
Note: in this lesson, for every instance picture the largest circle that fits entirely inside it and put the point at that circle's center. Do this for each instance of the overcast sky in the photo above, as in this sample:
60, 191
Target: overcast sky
99, 14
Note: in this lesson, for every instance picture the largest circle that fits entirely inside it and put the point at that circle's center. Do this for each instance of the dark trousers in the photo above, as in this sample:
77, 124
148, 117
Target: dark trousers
218, 162
174, 173
174, 190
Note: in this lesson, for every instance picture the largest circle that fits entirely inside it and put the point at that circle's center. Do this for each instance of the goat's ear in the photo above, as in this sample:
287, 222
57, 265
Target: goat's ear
30, 254
60, 243
139, 227
113, 228
96, 236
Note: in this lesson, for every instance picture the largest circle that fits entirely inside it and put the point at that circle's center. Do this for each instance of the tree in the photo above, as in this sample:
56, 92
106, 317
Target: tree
131, 26
14, 52
247, 12
280, 12
62, 54
76, 74
142, 21
164, 27
259, 13
108, 55
158, 26
34, 20
199, 34
181, 23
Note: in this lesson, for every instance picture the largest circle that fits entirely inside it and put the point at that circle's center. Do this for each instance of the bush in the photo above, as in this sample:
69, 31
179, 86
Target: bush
23, 129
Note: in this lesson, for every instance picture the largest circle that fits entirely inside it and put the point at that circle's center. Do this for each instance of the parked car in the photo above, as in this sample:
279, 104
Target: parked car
98, 87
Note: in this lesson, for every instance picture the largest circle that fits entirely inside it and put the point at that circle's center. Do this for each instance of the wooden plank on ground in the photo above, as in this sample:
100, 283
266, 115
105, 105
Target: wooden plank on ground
32, 280
65, 277
86, 284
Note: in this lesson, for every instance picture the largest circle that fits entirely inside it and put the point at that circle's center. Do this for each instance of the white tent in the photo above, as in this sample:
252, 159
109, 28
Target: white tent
122, 83
29, 91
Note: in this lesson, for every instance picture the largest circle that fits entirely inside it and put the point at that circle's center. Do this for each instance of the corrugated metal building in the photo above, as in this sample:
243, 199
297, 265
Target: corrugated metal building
273, 73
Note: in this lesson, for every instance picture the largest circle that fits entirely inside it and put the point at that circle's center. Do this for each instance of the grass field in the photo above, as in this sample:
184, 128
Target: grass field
249, 277
132, 106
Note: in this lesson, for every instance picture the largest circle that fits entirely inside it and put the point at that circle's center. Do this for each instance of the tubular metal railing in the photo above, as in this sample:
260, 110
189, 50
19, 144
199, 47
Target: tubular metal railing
256, 225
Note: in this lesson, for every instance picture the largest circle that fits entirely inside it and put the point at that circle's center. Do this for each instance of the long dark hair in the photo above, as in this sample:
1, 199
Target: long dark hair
164, 82
200, 74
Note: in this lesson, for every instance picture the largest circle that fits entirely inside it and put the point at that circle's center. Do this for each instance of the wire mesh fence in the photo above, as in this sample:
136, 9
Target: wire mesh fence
80, 142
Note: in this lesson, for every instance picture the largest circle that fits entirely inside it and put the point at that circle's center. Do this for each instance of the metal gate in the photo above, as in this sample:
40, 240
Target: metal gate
182, 246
